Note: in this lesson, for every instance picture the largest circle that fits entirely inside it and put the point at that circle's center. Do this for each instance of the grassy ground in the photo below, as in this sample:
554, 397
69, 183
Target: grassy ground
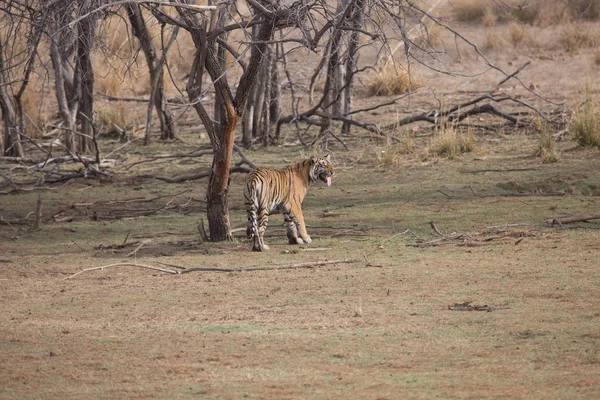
382, 329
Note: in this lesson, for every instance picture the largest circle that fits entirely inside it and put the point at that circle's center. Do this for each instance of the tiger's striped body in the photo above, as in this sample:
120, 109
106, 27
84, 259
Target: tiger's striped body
269, 190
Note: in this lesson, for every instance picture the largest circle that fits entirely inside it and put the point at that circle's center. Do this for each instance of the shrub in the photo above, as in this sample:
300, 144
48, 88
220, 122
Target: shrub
575, 37
391, 155
390, 81
547, 150
472, 11
517, 34
585, 124
110, 113
449, 142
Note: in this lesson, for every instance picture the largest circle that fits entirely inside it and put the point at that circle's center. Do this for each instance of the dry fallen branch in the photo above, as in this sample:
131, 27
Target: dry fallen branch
310, 264
191, 177
134, 251
121, 265
477, 171
469, 306
571, 219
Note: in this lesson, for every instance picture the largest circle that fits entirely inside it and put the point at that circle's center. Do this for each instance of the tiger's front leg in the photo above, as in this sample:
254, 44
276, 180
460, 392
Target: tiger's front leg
292, 230
296, 213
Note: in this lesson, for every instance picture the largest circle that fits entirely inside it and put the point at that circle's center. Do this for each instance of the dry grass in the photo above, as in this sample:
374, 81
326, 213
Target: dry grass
472, 11
35, 109
517, 34
585, 123
430, 36
546, 150
113, 112
577, 36
390, 81
494, 42
393, 155
597, 57
450, 142
536, 12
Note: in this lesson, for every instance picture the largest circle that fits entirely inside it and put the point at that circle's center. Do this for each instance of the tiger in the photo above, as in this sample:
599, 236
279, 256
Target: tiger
269, 190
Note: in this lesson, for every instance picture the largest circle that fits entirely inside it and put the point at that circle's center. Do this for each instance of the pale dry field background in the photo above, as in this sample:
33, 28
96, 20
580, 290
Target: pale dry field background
389, 326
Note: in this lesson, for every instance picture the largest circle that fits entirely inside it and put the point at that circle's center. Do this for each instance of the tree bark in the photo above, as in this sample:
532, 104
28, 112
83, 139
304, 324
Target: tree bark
85, 72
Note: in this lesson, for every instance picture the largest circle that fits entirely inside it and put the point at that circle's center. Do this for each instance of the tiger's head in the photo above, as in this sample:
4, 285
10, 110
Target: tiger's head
321, 169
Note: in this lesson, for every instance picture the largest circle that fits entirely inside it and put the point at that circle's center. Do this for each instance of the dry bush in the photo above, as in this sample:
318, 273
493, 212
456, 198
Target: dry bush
113, 112
585, 9
36, 115
449, 142
489, 17
546, 150
534, 12
517, 34
494, 42
392, 154
576, 36
390, 81
472, 11
107, 81
585, 123
430, 36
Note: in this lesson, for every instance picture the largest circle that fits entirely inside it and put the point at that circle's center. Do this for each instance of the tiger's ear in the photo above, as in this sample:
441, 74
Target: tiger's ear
327, 157
313, 160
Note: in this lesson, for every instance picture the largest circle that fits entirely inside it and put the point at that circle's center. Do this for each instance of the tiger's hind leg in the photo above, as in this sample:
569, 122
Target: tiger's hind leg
258, 242
257, 224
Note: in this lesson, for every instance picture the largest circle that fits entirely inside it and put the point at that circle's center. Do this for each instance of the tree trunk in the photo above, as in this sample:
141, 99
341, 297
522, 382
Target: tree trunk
66, 114
63, 44
356, 22
274, 103
155, 69
222, 131
10, 141
85, 73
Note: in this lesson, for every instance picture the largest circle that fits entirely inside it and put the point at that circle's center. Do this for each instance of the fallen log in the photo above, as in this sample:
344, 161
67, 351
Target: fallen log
571, 219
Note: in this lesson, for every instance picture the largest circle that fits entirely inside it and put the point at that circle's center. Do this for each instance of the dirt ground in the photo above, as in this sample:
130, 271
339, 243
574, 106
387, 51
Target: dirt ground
498, 304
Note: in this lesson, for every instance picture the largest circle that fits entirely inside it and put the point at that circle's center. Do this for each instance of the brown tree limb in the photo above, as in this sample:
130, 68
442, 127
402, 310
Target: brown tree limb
310, 264
571, 219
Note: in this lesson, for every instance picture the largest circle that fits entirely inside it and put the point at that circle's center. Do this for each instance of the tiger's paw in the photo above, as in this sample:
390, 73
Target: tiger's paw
307, 239
296, 241
264, 247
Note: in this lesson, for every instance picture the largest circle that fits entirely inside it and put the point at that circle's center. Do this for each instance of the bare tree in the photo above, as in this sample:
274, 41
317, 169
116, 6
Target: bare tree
209, 33
18, 21
155, 68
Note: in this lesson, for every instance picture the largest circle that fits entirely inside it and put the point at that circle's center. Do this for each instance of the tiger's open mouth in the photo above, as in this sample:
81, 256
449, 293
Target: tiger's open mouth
325, 177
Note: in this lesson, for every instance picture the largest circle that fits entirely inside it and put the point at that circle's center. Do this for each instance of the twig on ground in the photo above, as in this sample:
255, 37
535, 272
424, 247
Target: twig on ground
134, 251
394, 235
436, 230
121, 265
310, 264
